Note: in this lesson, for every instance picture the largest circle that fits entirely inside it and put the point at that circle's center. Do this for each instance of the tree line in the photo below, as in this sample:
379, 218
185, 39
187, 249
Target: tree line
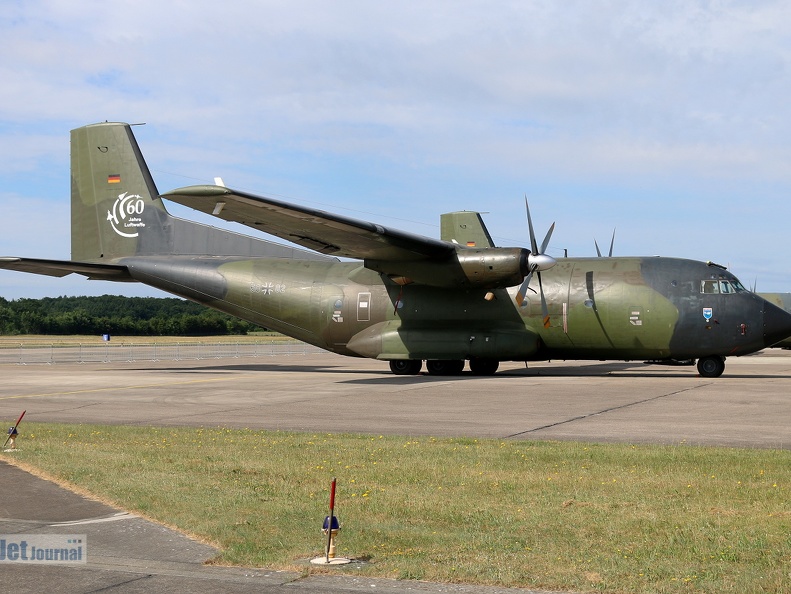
113, 314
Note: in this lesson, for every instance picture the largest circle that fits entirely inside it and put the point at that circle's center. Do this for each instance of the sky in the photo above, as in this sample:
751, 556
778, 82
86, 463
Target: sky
669, 122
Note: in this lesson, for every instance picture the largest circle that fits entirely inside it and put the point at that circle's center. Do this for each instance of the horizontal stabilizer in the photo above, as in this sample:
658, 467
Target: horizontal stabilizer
59, 268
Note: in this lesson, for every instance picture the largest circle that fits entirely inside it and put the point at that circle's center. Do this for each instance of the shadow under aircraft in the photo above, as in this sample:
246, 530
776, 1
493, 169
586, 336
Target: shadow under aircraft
405, 298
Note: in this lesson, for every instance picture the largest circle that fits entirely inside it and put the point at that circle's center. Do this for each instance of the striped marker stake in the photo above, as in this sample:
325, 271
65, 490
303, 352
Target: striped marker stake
12, 432
329, 525
330, 528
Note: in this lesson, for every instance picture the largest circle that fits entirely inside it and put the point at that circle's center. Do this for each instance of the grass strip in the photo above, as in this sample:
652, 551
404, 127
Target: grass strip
553, 515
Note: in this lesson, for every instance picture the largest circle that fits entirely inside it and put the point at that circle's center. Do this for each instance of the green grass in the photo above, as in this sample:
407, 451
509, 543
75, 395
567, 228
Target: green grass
554, 515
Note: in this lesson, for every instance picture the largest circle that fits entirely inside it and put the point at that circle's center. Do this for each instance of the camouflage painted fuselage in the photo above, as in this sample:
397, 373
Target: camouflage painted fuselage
600, 308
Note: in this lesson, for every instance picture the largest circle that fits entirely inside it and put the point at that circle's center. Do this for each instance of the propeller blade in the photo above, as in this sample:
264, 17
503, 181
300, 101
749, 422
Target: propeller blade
537, 261
612, 244
545, 243
520, 294
533, 244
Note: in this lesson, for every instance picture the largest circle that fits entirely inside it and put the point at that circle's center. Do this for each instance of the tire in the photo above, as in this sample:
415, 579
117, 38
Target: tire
484, 366
712, 366
445, 366
406, 366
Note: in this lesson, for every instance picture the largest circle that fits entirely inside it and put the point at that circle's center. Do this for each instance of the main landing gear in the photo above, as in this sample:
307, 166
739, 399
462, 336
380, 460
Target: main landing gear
406, 366
443, 366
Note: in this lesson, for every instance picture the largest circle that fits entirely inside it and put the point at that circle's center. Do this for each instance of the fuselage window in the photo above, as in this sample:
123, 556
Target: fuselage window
709, 287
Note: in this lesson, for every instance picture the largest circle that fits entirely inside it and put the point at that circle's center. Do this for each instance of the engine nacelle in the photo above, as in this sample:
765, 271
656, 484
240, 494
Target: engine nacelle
484, 268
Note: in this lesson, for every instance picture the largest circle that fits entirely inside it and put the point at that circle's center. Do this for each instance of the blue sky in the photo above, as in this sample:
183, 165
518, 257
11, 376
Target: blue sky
668, 121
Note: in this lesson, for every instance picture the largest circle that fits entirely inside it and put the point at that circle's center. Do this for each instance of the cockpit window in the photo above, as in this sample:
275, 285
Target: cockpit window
721, 286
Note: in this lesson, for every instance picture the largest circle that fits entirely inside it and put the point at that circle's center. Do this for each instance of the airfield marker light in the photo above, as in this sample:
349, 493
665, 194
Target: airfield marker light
11, 440
330, 528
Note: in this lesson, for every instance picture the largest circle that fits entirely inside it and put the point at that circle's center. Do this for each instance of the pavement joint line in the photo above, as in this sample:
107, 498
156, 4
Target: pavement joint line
606, 410
113, 518
20, 521
122, 584
150, 568
165, 419
97, 520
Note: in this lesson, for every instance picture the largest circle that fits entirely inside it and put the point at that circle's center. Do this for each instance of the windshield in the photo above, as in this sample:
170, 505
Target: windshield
721, 285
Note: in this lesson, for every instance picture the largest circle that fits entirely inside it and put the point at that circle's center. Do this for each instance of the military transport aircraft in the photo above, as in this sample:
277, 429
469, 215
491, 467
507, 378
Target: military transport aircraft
407, 298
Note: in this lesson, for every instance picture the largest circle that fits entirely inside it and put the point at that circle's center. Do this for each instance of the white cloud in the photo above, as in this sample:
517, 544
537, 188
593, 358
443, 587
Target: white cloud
417, 107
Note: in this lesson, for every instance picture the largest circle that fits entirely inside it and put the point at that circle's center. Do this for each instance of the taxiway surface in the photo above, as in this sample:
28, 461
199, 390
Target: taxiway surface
626, 402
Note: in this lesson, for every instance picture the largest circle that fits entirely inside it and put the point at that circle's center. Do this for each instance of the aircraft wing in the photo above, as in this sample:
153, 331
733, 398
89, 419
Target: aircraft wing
314, 229
61, 268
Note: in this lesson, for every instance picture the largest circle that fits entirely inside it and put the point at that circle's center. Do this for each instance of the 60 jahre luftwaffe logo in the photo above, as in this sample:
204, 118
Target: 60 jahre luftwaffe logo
125, 214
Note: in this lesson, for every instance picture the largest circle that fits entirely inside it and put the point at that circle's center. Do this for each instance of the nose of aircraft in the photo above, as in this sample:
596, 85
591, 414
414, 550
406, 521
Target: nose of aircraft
777, 324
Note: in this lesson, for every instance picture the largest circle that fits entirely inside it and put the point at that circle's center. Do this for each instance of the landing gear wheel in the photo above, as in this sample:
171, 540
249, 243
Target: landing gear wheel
406, 366
484, 366
445, 366
712, 366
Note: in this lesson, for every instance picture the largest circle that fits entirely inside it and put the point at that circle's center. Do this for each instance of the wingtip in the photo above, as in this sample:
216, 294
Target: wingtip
200, 190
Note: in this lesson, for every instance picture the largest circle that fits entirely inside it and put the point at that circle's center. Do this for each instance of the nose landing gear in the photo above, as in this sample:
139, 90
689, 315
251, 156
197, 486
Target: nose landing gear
711, 366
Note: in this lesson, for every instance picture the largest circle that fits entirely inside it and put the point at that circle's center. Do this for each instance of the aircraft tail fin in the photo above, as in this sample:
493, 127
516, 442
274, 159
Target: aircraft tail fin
117, 212
114, 202
465, 228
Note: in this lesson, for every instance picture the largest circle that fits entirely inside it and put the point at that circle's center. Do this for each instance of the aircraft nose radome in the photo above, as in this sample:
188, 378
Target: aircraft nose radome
777, 324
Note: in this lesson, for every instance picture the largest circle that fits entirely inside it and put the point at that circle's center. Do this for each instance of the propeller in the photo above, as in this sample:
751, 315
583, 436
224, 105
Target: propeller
612, 243
537, 261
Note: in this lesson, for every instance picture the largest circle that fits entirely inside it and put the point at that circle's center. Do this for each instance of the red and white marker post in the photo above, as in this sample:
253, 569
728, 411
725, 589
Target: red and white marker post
12, 432
330, 528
